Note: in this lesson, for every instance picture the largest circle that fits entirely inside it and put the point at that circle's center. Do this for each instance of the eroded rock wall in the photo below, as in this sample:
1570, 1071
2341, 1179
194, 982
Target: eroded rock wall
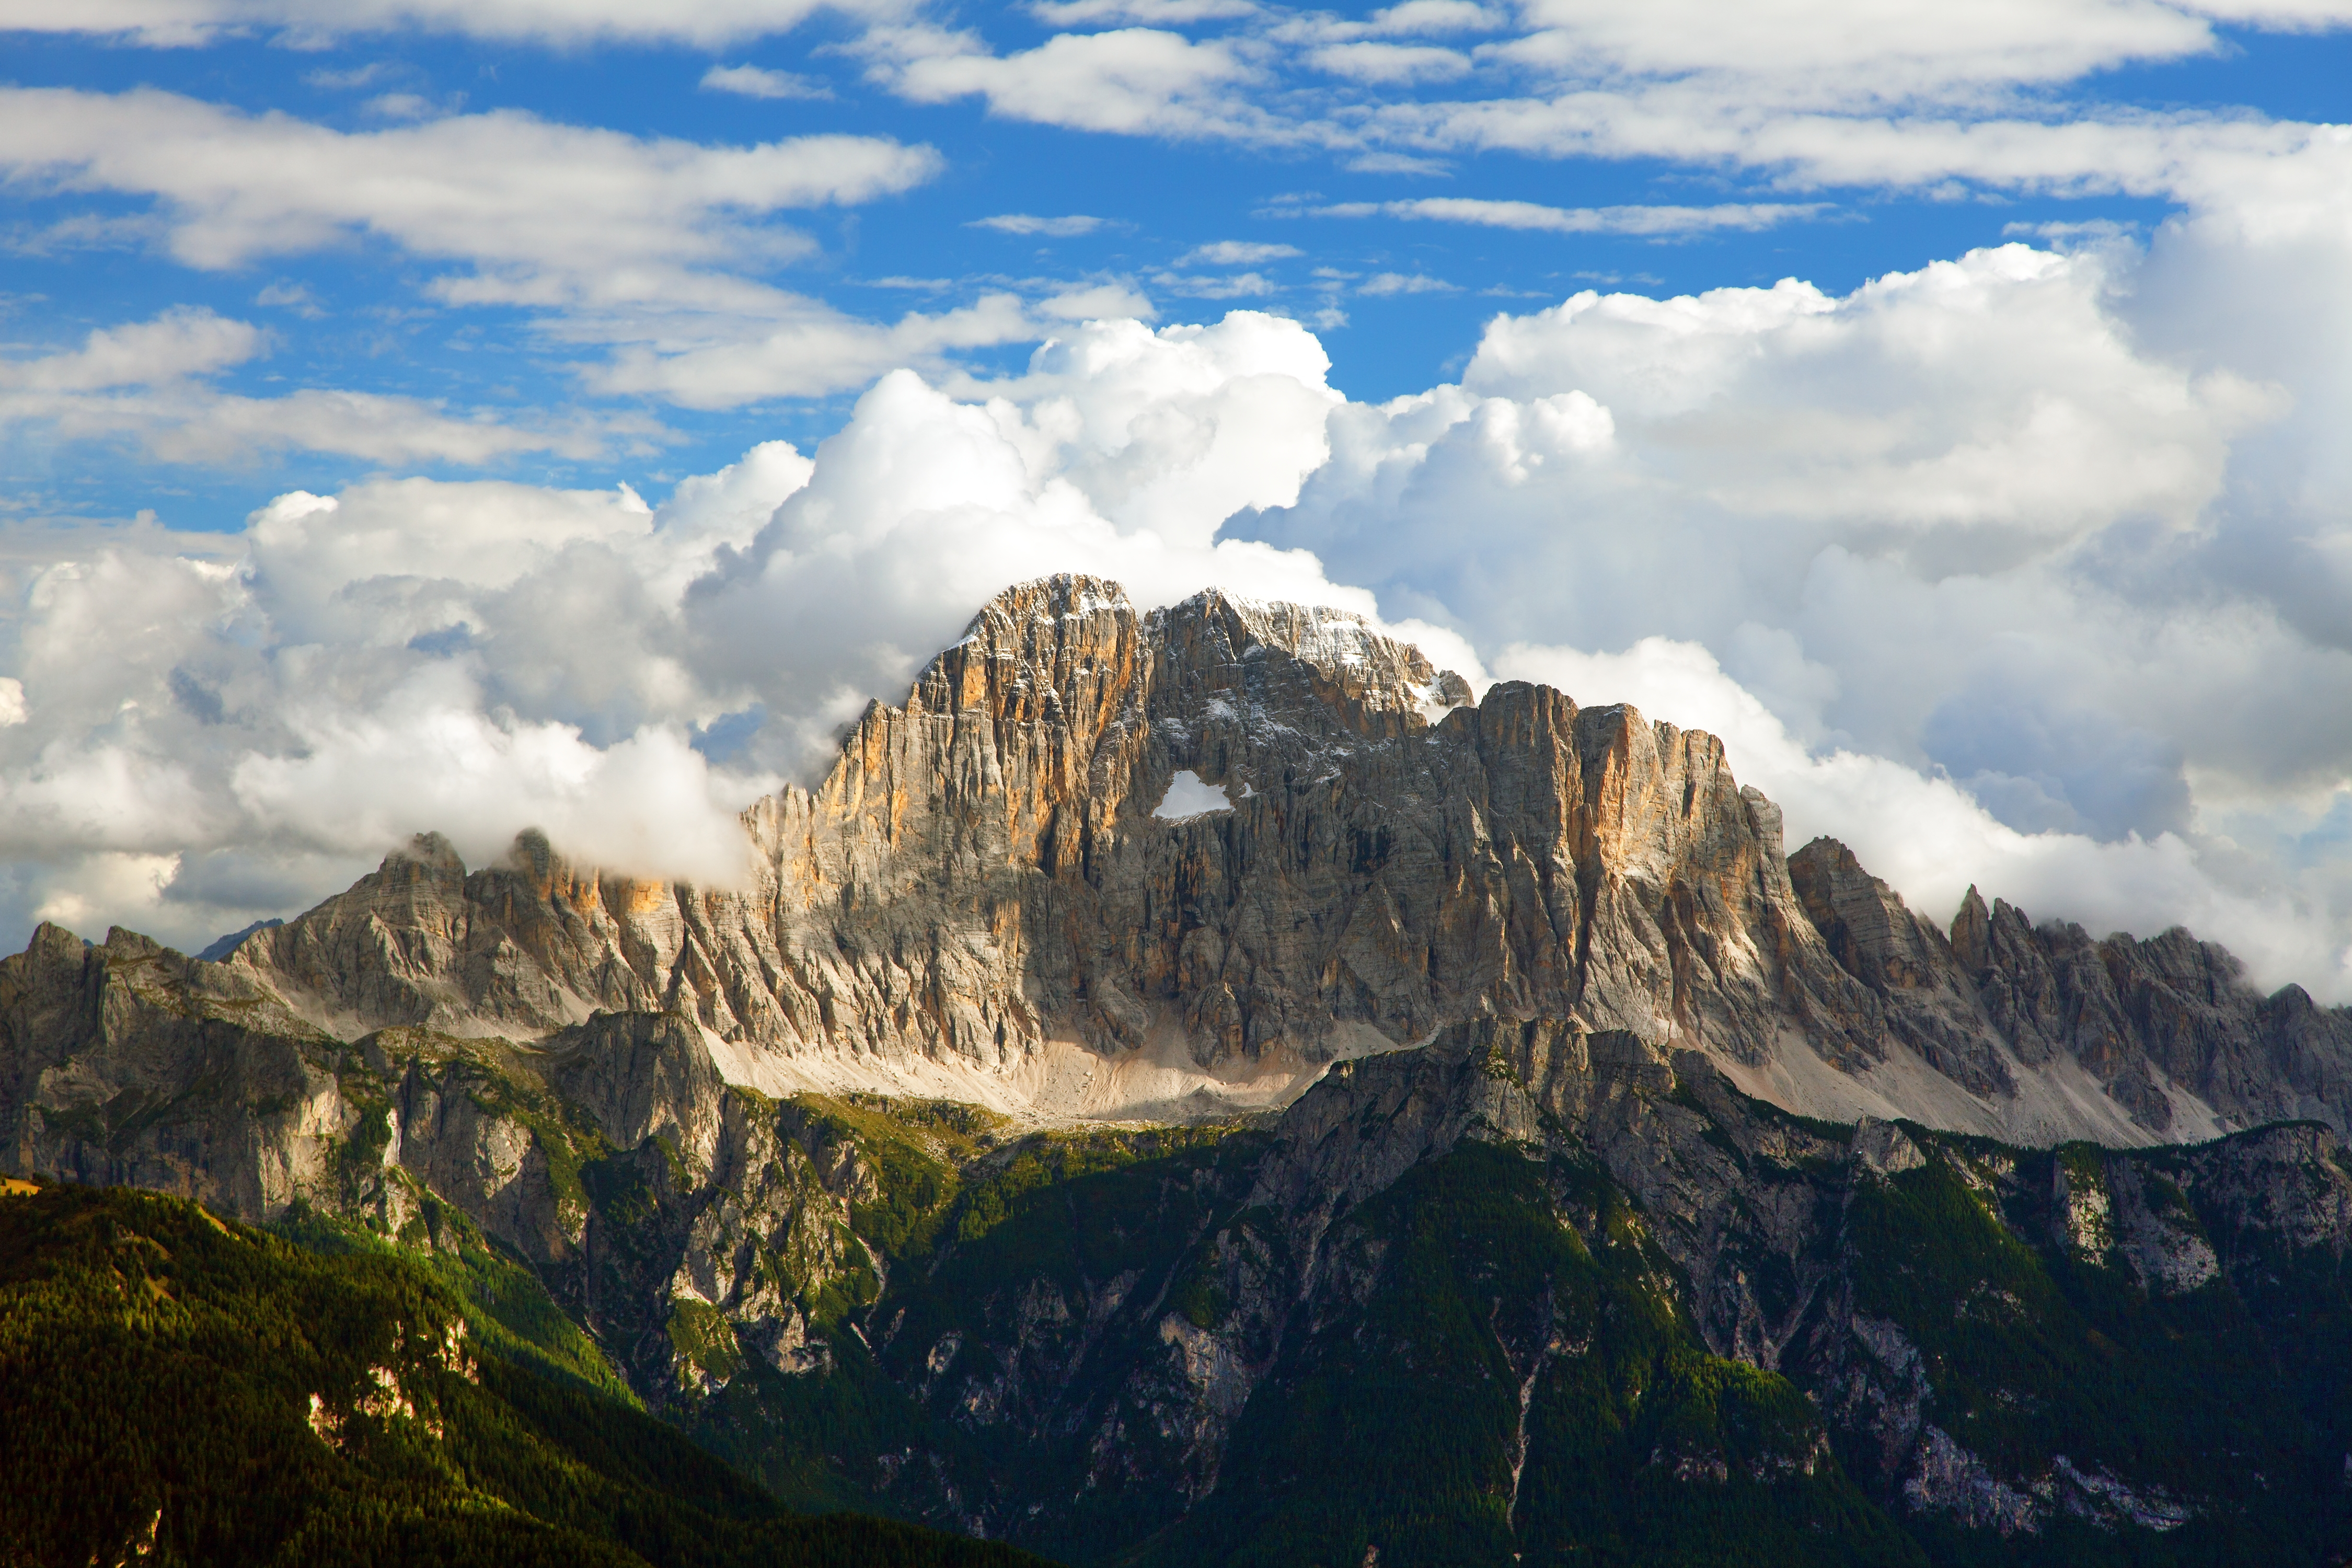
982, 871
980, 898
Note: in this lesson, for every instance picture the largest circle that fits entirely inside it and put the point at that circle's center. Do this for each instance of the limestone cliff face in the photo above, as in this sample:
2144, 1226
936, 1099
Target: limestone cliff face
2166, 1029
982, 870
979, 899
708, 1217
2170, 1005
128, 1062
1451, 939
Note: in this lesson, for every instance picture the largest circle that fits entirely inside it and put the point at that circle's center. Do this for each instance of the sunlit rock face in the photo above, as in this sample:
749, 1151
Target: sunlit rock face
990, 895
1515, 979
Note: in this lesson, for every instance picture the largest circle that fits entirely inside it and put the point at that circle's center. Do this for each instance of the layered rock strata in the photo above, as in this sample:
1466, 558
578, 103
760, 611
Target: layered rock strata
980, 901
1554, 987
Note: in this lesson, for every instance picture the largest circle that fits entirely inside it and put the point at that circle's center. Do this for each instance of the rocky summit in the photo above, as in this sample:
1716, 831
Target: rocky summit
1196, 1086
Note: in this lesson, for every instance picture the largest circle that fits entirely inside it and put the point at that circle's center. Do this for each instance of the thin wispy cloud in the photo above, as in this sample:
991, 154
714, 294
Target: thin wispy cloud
186, 24
1385, 284
1237, 253
1069, 226
1662, 222
754, 81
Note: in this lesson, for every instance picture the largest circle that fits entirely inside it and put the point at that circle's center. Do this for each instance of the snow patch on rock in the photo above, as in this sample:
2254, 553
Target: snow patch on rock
1188, 796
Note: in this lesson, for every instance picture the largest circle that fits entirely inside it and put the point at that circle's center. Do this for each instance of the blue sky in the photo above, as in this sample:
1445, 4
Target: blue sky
354, 310
560, 413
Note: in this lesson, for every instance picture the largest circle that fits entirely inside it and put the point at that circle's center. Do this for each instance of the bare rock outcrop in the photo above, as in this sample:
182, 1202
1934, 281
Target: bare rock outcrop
982, 873
978, 900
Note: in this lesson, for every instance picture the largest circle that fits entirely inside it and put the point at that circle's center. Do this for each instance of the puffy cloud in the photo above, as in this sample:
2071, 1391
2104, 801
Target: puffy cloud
187, 743
1119, 452
177, 343
1132, 80
227, 738
648, 804
1965, 413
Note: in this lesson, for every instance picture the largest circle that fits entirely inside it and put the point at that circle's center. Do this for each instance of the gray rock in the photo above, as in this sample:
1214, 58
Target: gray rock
981, 876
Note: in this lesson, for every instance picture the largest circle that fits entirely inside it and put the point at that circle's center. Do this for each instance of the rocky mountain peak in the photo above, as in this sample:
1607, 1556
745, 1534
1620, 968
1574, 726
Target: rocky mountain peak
937, 1117
979, 901
1971, 931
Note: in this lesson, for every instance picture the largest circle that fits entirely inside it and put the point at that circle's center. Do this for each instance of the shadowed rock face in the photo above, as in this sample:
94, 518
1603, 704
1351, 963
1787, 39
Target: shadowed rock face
2167, 1027
981, 876
1582, 930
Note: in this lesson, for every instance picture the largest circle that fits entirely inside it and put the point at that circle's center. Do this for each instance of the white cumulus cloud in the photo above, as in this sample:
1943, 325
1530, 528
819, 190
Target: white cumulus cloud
187, 742
1130, 80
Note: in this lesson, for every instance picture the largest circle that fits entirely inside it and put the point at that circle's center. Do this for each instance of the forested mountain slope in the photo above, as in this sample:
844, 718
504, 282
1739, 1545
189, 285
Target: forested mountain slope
177, 1390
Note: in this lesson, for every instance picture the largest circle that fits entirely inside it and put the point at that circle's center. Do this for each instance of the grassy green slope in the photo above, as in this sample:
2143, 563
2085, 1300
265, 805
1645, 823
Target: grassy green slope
177, 1390
509, 1313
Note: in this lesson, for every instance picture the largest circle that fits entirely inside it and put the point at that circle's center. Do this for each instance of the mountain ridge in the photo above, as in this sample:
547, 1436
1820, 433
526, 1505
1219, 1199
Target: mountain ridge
1479, 1143
976, 901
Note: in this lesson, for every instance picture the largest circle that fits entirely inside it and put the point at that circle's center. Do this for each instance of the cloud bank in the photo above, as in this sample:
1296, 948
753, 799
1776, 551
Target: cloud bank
1974, 567
193, 738
2022, 569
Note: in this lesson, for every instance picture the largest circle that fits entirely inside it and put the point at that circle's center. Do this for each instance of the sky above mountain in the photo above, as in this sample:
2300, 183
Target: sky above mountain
565, 413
